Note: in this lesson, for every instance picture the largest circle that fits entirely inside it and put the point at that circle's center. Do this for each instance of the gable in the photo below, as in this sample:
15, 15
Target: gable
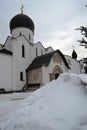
39, 44
49, 49
45, 59
57, 58
39, 49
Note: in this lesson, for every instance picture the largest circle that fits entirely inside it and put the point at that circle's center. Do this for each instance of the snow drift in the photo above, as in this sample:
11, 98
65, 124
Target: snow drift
60, 105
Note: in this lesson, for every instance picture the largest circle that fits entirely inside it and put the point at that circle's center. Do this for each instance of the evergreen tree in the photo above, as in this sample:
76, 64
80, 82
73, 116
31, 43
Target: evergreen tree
83, 42
83, 30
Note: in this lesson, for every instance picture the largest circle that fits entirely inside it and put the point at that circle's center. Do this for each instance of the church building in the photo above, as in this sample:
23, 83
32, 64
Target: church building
25, 63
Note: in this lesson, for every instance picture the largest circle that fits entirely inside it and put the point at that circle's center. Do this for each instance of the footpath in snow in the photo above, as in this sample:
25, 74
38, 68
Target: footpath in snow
60, 105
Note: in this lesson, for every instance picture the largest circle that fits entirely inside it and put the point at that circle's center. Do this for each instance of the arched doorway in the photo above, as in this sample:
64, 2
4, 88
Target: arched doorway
56, 72
56, 75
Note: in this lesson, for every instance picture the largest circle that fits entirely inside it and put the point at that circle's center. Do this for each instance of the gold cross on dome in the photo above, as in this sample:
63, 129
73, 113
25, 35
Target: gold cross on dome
22, 9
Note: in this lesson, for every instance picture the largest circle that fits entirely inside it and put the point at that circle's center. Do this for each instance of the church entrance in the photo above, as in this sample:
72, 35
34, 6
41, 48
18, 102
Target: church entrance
55, 73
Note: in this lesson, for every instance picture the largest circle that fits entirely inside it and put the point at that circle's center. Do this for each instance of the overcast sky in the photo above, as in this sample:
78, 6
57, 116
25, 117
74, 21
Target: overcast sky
55, 22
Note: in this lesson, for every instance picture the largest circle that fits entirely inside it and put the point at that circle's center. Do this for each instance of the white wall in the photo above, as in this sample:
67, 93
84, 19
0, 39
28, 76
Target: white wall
24, 31
45, 75
6, 72
74, 65
8, 44
39, 47
20, 64
49, 49
49, 69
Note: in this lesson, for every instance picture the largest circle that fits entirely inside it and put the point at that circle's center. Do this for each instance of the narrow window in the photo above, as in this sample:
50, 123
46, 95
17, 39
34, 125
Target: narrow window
36, 52
23, 51
41, 52
20, 33
21, 76
29, 37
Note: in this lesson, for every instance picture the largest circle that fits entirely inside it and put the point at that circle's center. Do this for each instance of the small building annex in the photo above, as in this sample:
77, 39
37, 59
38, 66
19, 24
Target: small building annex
23, 62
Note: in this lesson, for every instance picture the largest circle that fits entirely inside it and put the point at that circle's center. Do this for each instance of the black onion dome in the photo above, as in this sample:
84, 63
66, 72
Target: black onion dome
21, 20
74, 54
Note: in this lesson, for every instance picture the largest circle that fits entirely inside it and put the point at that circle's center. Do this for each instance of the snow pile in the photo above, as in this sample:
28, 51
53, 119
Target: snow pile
60, 105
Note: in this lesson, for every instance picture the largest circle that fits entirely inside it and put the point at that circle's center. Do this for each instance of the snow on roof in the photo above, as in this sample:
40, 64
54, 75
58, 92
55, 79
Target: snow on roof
60, 105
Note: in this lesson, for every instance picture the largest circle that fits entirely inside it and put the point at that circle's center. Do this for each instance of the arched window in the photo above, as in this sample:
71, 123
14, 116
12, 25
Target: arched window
41, 52
20, 34
23, 51
36, 52
29, 37
21, 76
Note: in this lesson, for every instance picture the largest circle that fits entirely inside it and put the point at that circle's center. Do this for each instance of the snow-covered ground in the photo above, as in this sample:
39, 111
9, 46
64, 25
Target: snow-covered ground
9, 102
60, 105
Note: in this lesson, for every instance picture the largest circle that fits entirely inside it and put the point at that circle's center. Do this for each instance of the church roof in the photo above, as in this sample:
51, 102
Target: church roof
45, 60
74, 54
21, 20
5, 51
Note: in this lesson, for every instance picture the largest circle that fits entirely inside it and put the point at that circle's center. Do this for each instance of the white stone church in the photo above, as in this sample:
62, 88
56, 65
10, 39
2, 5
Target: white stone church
25, 63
